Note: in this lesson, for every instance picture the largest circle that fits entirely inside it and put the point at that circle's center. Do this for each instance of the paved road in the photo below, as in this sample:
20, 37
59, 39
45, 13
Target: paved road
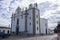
48, 37
58, 36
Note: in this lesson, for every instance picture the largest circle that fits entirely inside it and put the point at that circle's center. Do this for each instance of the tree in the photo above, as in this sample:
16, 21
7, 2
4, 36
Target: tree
55, 30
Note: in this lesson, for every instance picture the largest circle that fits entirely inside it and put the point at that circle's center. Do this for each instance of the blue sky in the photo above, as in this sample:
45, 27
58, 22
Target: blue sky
49, 9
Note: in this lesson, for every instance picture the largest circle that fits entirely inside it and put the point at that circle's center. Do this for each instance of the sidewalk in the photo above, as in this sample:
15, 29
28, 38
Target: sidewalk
48, 37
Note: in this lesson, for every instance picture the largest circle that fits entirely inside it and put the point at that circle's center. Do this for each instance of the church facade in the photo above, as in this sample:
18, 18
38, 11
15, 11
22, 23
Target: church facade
26, 21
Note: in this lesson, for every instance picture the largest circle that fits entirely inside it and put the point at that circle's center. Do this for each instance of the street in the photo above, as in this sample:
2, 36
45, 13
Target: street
45, 37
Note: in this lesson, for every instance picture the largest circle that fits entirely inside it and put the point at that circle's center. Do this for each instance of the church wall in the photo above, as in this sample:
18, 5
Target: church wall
43, 25
21, 24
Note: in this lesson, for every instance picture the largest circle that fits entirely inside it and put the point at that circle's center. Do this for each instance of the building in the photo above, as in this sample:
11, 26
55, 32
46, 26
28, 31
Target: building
43, 25
5, 29
50, 31
26, 21
58, 27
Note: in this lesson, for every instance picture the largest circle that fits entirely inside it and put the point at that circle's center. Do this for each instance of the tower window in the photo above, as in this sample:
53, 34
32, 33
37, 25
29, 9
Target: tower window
30, 17
37, 28
37, 22
30, 24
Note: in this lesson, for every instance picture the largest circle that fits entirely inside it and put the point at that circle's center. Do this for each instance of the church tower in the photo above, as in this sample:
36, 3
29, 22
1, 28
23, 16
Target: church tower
33, 19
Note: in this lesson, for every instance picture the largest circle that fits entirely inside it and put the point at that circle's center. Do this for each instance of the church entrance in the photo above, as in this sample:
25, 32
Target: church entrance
17, 31
17, 27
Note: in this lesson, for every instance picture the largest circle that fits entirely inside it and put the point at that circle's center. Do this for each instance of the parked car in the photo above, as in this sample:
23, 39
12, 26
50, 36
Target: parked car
4, 35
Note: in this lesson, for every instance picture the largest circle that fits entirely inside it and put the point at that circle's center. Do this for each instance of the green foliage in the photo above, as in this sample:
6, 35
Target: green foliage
55, 30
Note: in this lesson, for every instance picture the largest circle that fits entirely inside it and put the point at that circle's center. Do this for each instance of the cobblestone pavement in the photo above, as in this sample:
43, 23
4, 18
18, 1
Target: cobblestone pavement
46, 37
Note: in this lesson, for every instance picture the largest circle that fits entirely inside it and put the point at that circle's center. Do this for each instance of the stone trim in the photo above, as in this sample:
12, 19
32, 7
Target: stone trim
34, 29
39, 21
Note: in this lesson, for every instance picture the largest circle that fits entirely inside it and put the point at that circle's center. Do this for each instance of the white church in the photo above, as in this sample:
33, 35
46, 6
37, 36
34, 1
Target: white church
27, 21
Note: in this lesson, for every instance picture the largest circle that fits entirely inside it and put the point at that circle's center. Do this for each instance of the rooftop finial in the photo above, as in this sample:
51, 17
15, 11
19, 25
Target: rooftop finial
35, 4
30, 5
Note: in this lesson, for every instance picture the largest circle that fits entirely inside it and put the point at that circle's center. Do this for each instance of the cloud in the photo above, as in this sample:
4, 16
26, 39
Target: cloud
51, 25
46, 6
4, 22
48, 9
51, 12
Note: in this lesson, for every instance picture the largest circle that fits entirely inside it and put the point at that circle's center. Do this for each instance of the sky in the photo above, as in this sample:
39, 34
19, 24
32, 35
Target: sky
49, 9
